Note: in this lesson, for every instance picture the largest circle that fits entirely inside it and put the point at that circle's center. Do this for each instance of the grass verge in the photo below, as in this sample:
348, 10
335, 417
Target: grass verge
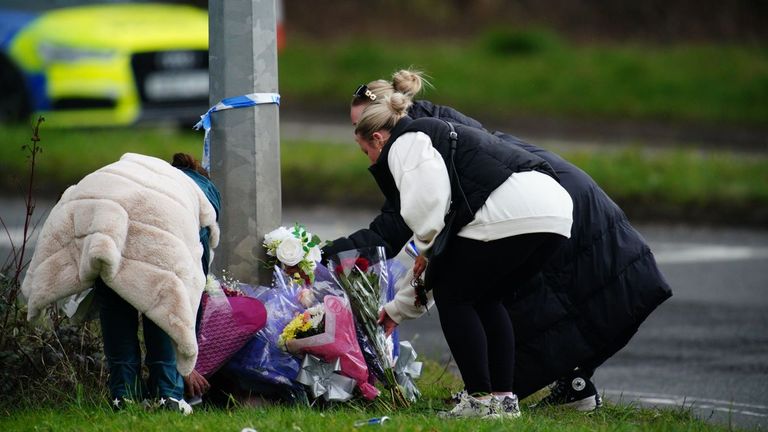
83, 413
507, 72
649, 184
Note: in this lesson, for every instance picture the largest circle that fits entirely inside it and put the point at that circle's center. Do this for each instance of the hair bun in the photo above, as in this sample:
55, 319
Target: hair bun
399, 103
407, 82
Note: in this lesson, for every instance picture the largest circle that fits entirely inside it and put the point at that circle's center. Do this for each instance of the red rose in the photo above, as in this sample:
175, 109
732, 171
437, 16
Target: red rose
362, 264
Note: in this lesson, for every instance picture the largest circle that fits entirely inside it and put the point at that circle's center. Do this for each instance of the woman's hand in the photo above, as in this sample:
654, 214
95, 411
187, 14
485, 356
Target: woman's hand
195, 384
387, 322
419, 266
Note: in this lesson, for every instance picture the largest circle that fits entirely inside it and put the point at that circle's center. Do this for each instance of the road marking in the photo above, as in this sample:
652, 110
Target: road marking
692, 402
683, 253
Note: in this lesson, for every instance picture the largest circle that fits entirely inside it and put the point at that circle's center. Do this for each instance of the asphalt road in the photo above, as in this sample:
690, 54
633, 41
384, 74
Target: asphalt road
705, 349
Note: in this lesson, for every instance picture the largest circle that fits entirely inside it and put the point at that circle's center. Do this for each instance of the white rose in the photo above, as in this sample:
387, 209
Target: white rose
277, 235
314, 254
290, 252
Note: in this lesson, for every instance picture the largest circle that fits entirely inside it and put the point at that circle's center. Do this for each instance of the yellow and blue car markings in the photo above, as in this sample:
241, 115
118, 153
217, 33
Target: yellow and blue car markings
110, 64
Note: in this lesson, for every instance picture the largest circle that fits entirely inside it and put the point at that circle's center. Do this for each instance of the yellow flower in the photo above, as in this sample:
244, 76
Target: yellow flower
290, 330
302, 323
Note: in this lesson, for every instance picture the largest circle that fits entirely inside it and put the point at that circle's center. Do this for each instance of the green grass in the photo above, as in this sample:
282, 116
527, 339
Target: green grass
675, 182
68, 155
678, 176
92, 418
505, 73
81, 412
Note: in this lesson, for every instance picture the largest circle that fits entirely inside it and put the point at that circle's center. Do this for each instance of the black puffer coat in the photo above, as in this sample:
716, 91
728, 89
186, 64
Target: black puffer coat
597, 289
590, 298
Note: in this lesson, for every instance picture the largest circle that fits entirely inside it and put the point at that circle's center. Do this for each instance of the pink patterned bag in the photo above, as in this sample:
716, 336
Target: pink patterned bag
227, 324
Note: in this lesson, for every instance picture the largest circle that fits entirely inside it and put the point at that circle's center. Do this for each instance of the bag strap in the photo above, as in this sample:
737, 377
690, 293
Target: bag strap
453, 138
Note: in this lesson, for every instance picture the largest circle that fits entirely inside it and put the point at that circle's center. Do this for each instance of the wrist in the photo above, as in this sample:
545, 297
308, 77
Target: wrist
392, 313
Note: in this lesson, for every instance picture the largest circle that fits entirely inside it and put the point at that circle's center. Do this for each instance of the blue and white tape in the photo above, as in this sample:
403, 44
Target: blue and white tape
244, 101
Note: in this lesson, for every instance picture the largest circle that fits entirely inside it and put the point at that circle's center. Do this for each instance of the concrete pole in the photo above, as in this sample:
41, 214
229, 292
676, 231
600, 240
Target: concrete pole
245, 142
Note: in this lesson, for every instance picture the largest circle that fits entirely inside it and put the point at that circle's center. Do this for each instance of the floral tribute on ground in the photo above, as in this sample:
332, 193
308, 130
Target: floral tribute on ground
319, 342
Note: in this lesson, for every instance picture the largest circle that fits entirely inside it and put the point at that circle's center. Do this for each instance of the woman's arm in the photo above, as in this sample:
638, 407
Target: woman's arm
422, 179
404, 305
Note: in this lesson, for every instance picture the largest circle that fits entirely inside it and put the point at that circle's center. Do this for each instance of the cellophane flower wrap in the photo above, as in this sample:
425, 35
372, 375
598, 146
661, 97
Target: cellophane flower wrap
262, 358
229, 319
338, 340
363, 275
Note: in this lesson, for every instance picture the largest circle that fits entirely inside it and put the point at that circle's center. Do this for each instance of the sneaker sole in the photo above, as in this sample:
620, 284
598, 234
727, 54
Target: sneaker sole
465, 416
505, 416
584, 405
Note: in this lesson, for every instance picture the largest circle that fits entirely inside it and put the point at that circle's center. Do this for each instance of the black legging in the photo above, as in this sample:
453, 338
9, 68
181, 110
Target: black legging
469, 280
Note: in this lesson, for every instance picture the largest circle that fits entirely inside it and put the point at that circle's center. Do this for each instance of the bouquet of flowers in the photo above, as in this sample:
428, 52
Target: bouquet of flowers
327, 331
362, 274
304, 324
322, 328
296, 250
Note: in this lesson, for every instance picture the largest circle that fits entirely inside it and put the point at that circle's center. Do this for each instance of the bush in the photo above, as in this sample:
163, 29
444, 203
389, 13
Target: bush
503, 41
40, 364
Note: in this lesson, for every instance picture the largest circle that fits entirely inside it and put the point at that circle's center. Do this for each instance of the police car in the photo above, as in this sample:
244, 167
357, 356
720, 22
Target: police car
97, 63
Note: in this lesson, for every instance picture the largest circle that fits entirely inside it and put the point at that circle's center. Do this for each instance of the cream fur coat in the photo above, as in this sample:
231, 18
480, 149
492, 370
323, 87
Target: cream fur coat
135, 223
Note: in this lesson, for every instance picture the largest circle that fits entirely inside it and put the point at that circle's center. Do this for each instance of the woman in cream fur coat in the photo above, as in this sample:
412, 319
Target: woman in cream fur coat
137, 230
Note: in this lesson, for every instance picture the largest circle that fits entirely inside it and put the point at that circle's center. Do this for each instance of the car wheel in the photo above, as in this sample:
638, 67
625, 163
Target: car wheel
14, 103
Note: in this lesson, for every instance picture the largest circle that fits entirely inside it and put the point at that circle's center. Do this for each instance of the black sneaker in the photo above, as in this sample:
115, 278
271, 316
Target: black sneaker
120, 403
575, 392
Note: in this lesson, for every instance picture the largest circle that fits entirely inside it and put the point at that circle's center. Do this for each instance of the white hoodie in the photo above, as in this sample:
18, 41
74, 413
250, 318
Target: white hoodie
528, 202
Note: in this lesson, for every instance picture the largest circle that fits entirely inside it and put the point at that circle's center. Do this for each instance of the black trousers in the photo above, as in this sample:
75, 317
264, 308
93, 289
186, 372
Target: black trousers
470, 279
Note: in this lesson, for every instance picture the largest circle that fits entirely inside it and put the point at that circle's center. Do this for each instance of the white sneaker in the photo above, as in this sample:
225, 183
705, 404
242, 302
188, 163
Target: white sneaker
456, 397
468, 406
505, 407
179, 405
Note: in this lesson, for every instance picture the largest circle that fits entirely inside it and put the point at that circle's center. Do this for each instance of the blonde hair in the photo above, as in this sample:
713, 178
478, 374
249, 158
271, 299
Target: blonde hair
382, 113
409, 82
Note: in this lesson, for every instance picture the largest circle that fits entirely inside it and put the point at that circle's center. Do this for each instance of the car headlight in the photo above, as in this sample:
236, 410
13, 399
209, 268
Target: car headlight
51, 53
